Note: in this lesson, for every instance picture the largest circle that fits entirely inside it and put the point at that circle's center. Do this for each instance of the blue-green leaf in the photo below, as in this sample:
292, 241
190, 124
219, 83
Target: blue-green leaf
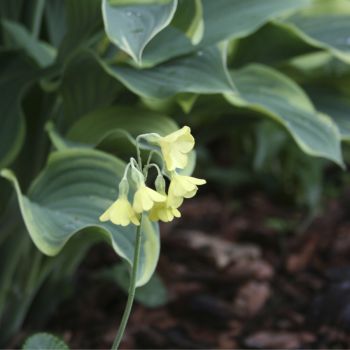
16, 74
84, 21
83, 93
223, 19
131, 26
40, 51
325, 24
68, 197
269, 92
204, 72
44, 341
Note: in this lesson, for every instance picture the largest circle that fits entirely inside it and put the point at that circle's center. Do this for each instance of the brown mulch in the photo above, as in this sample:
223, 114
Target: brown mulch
237, 276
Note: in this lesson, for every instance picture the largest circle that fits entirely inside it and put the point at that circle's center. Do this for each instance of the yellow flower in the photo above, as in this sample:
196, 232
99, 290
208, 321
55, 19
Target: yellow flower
120, 213
164, 212
145, 198
175, 147
182, 187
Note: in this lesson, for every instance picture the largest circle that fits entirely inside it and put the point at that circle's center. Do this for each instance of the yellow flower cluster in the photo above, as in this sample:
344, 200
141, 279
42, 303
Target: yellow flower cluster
159, 205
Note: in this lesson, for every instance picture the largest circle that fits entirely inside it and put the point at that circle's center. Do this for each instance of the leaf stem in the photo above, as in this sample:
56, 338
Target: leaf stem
132, 288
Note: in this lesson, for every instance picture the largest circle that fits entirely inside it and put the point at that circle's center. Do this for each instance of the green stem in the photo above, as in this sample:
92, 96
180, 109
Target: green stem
138, 151
132, 289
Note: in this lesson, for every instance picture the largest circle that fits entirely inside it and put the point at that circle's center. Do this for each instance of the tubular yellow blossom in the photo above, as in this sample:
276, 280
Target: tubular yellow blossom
182, 187
120, 213
164, 212
175, 148
145, 198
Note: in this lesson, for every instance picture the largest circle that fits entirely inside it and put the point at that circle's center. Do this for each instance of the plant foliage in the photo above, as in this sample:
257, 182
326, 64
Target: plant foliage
79, 79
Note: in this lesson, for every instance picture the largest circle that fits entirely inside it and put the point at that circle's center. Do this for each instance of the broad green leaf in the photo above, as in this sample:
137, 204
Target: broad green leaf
203, 72
114, 129
28, 12
265, 90
16, 73
333, 102
55, 21
131, 27
41, 52
325, 24
83, 93
41, 341
223, 19
68, 197
11, 9
315, 66
35, 14
271, 44
96, 126
153, 294
84, 21
326, 80
189, 19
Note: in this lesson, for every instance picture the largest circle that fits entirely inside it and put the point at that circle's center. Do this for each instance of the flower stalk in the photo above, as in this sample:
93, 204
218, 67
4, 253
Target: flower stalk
159, 204
132, 288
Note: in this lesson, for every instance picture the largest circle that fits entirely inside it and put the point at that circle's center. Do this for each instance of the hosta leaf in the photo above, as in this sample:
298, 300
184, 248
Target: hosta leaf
84, 20
83, 93
131, 26
41, 52
189, 19
326, 80
271, 44
45, 341
267, 91
114, 129
68, 197
325, 24
223, 19
11, 9
203, 72
16, 73
335, 104
56, 21
96, 126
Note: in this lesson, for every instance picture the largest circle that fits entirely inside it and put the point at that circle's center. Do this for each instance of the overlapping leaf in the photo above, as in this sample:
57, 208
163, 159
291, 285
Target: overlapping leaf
41, 52
335, 104
203, 72
114, 129
223, 19
325, 24
326, 80
70, 195
131, 26
84, 21
189, 19
265, 90
44, 341
85, 86
16, 73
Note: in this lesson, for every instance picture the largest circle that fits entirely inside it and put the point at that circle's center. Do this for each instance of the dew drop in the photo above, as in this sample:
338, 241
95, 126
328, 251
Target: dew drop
200, 53
129, 13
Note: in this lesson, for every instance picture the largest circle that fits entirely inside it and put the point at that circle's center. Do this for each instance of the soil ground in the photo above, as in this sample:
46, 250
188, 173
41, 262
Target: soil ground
238, 276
